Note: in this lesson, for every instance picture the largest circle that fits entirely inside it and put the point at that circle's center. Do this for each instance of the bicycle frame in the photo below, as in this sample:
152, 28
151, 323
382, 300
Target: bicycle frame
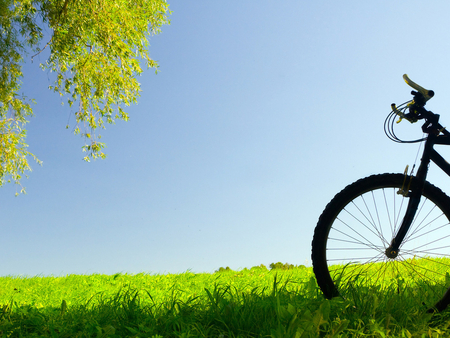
429, 154
347, 254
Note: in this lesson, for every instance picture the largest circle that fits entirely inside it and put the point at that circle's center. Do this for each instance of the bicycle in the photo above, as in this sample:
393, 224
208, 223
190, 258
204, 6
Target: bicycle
390, 231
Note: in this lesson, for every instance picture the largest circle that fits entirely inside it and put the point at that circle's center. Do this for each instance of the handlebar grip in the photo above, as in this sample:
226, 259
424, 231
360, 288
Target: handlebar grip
427, 94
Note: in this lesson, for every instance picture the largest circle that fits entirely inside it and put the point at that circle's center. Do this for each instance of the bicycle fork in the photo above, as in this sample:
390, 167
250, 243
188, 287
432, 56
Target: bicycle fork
414, 194
393, 249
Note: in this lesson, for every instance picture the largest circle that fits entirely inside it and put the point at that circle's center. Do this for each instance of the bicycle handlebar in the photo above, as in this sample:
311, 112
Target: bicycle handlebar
427, 94
416, 111
416, 106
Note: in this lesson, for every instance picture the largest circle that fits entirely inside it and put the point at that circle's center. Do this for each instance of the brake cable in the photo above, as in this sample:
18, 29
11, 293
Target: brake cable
390, 122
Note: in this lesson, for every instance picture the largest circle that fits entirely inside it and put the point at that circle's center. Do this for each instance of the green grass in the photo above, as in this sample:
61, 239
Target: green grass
248, 303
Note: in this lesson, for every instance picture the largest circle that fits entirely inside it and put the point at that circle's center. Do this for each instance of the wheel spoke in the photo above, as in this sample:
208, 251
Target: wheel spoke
371, 222
437, 240
367, 243
410, 238
419, 227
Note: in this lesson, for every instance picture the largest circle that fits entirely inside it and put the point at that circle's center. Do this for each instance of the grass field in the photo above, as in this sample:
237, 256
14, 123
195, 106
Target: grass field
253, 302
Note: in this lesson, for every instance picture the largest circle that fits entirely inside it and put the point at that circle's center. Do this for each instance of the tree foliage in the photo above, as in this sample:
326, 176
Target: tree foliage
95, 51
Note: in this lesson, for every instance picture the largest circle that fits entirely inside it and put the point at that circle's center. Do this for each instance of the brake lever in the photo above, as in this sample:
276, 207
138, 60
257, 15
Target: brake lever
411, 116
428, 94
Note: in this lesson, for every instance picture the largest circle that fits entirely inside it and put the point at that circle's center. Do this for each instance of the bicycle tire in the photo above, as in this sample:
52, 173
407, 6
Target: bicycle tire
359, 219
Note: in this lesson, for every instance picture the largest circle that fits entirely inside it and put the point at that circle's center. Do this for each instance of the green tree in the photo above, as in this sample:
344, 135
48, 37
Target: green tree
95, 51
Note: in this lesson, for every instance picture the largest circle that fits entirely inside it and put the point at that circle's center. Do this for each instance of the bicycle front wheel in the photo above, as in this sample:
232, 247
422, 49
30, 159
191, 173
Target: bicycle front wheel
358, 225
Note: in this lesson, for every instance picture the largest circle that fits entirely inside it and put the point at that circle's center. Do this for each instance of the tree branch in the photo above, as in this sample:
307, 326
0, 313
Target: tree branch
41, 49
64, 9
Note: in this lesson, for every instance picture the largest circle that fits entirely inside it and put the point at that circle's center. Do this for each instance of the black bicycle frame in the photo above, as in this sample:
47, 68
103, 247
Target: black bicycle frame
415, 191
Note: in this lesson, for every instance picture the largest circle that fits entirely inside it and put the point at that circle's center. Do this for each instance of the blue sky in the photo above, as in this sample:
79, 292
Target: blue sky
261, 112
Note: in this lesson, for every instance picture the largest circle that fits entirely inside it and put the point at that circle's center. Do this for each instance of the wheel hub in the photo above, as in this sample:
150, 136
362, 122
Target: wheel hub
391, 253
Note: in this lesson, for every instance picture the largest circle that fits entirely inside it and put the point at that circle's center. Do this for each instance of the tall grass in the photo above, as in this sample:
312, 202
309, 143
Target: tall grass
247, 303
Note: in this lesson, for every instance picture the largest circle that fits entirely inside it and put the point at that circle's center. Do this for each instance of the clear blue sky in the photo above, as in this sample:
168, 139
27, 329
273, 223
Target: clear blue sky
261, 112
